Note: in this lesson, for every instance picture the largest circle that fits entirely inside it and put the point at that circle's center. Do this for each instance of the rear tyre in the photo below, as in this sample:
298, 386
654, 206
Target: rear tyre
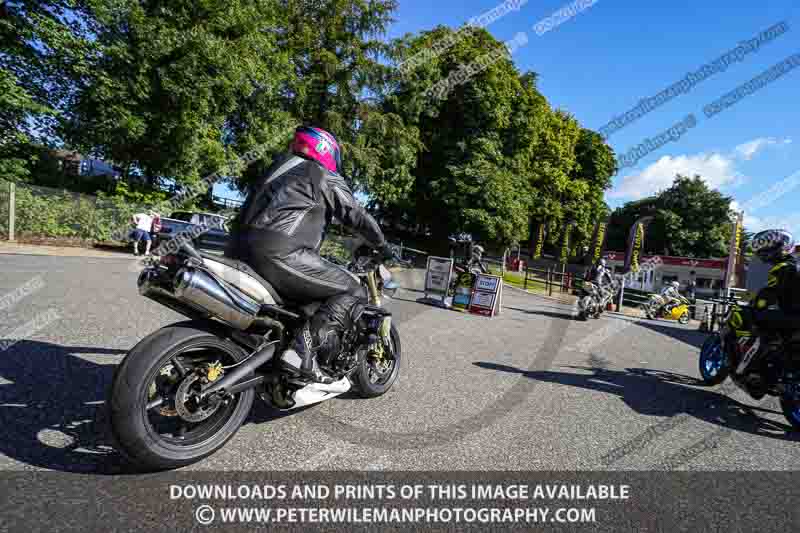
714, 368
160, 438
373, 377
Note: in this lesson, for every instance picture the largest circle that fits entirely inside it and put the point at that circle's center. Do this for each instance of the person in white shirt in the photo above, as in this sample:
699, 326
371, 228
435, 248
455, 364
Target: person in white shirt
143, 223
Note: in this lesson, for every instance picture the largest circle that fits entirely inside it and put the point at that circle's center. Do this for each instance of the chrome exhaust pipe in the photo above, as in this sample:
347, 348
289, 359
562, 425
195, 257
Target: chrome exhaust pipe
224, 302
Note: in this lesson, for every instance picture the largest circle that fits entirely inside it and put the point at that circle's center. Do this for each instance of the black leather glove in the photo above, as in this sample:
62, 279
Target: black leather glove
388, 252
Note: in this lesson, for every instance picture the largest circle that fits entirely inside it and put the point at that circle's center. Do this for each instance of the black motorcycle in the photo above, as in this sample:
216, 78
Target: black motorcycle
593, 299
730, 352
183, 391
589, 301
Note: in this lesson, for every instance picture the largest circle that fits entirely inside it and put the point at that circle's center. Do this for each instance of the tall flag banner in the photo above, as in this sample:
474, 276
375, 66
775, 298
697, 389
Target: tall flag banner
599, 240
538, 236
565, 242
635, 245
734, 251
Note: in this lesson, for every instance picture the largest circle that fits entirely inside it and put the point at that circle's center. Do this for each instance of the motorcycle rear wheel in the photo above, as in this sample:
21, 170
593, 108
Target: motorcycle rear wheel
161, 367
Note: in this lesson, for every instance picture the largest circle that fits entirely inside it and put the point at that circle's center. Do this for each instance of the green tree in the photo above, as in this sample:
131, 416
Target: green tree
181, 88
44, 54
690, 220
470, 174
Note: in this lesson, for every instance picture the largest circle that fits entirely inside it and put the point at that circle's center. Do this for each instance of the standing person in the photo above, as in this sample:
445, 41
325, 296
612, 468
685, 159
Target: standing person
691, 291
143, 224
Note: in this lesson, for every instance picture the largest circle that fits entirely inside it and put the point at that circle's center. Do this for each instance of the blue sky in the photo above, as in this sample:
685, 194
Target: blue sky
604, 60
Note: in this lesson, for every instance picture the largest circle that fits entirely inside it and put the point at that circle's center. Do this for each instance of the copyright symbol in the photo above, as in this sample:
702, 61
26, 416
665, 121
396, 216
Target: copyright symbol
204, 515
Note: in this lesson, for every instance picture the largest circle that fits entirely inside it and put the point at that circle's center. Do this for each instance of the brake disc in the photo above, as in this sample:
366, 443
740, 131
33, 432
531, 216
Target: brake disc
184, 396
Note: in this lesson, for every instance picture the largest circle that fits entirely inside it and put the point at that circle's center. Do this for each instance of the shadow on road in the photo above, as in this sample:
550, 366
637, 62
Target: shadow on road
52, 408
684, 334
662, 393
550, 314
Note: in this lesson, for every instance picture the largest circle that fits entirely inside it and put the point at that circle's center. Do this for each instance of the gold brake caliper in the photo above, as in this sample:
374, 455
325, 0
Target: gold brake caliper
213, 371
384, 338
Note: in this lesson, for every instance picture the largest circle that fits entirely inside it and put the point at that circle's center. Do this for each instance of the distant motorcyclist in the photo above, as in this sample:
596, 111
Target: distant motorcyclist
672, 296
602, 277
600, 274
476, 260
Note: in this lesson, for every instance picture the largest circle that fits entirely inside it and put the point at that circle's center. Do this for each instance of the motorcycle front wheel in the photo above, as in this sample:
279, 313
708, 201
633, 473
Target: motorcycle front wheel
714, 368
684, 318
790, 404
376, 375
158, 421
584, 306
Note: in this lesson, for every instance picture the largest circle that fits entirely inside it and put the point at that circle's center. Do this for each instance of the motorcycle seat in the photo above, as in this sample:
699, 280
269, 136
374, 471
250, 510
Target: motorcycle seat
243, 277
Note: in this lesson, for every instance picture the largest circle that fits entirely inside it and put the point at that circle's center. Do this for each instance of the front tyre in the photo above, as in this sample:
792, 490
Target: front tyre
790, 403
684, 318
714, 367
376, 375
585, 306
157, 420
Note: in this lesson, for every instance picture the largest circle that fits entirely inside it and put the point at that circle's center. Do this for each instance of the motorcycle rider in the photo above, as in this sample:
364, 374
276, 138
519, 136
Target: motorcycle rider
600, 274
279, 233
671, 296
776, 306
476, 259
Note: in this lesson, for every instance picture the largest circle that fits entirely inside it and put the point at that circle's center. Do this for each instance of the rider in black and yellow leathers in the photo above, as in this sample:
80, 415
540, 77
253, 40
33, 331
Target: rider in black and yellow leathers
775, 307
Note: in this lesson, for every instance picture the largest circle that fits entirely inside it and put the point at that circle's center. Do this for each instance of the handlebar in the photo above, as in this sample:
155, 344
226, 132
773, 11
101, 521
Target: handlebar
374, 259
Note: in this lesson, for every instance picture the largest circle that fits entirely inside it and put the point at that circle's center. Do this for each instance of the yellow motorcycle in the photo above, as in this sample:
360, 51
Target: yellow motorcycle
655, 307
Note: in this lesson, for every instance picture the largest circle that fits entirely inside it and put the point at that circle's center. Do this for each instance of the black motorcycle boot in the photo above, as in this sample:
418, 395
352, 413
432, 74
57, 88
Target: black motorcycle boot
302, 358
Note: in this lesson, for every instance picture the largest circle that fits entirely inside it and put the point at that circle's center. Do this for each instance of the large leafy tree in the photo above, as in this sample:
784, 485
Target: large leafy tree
172, 90
45, 51
182, 88
495, 153
690, 220
470, 174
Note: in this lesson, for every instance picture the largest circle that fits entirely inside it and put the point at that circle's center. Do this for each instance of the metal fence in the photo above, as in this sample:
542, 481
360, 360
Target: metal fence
555, 279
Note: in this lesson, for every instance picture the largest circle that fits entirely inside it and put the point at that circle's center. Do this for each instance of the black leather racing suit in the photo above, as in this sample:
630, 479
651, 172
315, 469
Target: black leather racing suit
279, 232
776, 308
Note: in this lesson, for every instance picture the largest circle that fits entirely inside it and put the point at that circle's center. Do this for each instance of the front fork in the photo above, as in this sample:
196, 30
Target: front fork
375, 299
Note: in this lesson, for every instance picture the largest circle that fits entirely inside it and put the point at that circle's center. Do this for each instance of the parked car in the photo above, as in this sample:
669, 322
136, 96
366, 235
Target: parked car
212, 228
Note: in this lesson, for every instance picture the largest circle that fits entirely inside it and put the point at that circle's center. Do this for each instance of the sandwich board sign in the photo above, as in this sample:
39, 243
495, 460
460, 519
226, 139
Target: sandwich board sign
487, 295
463, 291
438, 274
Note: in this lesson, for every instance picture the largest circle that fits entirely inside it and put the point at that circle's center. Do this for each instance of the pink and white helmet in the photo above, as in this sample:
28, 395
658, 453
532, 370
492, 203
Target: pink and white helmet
319, 145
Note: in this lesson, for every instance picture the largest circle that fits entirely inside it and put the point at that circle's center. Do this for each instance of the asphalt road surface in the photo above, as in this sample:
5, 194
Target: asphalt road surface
532, 389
